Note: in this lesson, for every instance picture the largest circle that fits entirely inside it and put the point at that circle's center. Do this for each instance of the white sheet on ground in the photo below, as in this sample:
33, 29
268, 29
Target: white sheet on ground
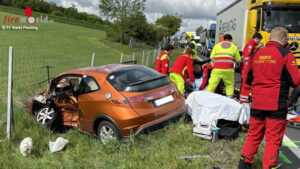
206, 108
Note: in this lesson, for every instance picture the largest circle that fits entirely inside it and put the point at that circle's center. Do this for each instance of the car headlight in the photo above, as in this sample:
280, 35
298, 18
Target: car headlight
39, 98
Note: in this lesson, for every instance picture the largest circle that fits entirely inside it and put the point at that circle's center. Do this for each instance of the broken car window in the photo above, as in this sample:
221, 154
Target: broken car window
68, 84
88, 84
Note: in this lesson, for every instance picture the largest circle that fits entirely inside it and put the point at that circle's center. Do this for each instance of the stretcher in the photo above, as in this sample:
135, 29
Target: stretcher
293, 119
293, 116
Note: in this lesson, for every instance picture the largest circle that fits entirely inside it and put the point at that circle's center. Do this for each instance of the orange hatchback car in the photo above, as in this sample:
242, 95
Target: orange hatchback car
111, 101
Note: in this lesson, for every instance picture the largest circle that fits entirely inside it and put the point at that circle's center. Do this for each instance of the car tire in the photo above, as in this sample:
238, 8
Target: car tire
46, 116
107, 132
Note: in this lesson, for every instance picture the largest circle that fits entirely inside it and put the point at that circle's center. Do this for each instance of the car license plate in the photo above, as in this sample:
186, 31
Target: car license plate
162, 101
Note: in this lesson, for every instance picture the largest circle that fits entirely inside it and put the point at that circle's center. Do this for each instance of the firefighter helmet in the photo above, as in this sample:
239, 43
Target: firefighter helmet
190, 35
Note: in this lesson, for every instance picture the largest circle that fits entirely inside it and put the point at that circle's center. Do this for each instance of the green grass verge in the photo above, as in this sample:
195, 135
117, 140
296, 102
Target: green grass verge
159, 150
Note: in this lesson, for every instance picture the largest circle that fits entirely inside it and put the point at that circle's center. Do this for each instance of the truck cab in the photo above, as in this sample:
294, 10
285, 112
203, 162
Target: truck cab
207, 40
243, 18
264, 15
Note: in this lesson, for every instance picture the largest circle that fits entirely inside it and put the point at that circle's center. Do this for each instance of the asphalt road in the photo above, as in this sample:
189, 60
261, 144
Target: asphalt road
289, 156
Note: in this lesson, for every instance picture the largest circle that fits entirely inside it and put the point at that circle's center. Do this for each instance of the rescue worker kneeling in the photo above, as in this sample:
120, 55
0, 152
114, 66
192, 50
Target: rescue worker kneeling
182, 64
223, 57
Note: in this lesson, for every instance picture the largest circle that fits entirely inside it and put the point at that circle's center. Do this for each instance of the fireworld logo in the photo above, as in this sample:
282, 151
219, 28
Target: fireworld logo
28, 13
14, 22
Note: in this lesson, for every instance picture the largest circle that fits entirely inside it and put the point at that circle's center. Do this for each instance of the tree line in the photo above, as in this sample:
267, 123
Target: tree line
128, 20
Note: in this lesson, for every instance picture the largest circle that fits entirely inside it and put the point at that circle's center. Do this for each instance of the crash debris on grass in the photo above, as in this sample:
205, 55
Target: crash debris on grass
26, 146
58, 144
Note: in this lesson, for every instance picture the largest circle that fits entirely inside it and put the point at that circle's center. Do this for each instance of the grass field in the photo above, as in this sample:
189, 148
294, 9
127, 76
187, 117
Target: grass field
68, 47
17, 11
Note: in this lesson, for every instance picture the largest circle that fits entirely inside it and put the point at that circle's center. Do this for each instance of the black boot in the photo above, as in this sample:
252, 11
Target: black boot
243, 164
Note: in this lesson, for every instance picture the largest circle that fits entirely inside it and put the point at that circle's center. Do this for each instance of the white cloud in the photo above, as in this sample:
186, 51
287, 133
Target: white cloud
221, 4
88, 6
194, 13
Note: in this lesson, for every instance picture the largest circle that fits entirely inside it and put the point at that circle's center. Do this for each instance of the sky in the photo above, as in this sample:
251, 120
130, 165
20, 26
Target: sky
194, 13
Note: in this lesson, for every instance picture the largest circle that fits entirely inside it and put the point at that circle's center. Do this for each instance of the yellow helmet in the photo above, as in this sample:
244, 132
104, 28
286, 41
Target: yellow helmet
190, 35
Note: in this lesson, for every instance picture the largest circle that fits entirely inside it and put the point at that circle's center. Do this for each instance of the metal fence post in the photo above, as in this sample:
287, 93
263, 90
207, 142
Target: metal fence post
9, 92
130, 41
154, 53
147, 61
159, 50
93, 58
121, 59
143, 57
133, 56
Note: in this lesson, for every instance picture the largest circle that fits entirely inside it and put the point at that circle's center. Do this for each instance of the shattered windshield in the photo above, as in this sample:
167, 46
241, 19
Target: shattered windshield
286, 17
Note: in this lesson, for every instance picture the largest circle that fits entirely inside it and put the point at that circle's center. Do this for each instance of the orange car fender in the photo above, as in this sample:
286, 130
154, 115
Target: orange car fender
101, 117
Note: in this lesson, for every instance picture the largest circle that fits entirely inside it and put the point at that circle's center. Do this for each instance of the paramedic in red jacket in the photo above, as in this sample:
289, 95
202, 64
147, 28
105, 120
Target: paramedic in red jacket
162, 61
182, 64
272, 71
250, 49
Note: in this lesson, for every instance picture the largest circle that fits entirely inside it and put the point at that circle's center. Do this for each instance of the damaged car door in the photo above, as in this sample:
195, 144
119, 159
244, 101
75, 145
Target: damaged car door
88, 102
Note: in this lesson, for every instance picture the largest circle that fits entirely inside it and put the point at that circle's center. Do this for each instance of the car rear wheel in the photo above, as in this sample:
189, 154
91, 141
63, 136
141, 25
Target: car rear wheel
108, 132
46, 116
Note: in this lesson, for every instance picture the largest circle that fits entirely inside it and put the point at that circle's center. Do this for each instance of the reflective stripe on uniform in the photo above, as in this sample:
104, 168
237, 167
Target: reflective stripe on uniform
184, 69
230, 61
224, 54
165, 56
223, 62
242, 96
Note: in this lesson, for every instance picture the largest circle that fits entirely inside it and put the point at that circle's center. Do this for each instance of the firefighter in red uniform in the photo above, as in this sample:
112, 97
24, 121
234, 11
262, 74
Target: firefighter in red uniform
272, 71
182, 64
162, 61
250, 49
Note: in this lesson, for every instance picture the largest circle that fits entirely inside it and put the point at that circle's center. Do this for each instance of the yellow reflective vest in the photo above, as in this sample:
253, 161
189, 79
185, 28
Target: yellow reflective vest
224, 55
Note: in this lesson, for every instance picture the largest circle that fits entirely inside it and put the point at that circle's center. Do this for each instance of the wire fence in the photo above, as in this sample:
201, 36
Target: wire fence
30, 70
142, 57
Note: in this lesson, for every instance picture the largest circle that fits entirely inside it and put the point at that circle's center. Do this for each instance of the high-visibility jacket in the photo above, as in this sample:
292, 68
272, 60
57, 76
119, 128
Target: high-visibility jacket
162, 63
182, 64
224, 55
195, 56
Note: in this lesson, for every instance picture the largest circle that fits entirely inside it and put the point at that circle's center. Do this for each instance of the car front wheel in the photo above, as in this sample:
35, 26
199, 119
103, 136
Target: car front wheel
108, 132
46, 116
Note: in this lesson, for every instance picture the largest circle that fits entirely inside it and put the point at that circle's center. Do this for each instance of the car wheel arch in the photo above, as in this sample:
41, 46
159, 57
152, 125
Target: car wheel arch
36, 106
103, 117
